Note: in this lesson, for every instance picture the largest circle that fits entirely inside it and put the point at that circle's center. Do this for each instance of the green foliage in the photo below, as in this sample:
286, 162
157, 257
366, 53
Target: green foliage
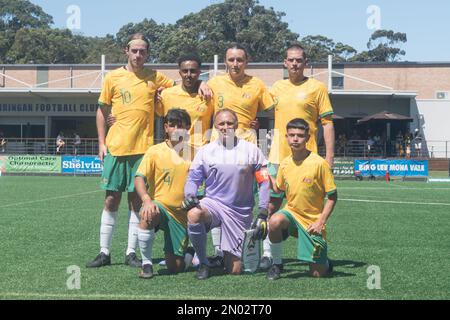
26, 37
318, 48
44, 46
18, 14
382, 46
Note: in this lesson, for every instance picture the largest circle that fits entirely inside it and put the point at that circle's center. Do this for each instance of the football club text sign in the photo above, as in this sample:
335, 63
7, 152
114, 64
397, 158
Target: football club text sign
379, 167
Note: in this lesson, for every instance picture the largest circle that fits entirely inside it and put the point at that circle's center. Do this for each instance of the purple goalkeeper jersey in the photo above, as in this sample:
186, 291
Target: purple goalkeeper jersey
229, 174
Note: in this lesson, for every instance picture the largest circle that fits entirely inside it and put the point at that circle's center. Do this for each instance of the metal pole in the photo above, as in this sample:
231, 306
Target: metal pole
216, 64
446, 143
103, 67
330, 70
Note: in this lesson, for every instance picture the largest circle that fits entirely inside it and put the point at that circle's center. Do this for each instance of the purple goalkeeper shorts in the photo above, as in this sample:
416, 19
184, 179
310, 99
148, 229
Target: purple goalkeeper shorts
233, 224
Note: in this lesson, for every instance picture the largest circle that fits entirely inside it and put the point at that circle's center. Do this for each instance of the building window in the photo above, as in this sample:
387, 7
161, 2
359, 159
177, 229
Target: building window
337, 80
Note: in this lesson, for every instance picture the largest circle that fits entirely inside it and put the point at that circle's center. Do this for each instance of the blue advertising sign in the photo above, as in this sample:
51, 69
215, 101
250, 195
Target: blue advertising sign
81, 165
379, 167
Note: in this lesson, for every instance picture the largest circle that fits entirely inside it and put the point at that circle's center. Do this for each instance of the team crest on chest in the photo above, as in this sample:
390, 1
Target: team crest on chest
302, 95
307, 180
246, 95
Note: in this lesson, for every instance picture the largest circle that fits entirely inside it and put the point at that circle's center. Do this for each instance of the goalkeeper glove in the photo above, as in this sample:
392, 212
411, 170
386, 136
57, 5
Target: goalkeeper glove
260, 225
189, 203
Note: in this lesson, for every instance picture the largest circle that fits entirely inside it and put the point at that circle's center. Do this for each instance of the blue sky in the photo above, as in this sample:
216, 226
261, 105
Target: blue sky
426, 23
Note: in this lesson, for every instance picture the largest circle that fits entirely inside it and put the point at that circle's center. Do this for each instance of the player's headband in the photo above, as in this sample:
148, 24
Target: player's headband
137, 42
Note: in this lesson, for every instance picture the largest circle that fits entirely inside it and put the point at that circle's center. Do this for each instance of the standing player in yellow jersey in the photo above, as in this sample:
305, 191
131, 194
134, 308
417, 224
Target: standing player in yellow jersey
240, 92
243, 94
297, 97
128, 95
159, 182
306, 178
185, 96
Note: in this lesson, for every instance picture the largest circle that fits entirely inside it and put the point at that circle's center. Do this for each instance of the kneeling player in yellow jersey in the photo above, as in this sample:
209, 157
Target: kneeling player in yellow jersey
159, 182
306, 178
302, 97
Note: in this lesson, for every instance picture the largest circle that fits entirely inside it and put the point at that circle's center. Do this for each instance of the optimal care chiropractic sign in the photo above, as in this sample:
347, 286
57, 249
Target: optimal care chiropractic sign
50, 164
33, 164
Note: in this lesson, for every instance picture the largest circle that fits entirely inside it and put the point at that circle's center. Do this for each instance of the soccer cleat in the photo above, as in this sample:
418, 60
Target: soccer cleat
162, 263
146, 271
132, 260
265, 263
216, 262
274, 272
100, 260
330, 268
202, 272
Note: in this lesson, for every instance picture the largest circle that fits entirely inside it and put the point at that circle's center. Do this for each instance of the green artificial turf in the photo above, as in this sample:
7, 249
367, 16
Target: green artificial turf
51, 223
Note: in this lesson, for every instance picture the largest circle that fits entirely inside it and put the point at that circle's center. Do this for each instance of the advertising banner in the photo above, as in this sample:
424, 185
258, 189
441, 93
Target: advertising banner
3, 163
81, 165
403, 168
33, 164
343, 167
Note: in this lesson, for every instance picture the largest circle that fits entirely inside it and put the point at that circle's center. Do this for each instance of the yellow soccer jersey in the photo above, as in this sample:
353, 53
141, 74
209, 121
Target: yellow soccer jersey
245, 99
199, 110
131, 97
306, 184
166, 173
308, 100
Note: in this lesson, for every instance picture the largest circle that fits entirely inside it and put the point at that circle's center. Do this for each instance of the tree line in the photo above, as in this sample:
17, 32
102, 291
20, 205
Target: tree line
26, 36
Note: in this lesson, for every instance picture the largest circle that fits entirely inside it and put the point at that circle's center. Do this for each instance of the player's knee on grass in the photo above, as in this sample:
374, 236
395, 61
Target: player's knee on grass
318, 270
175, 264
112, 201
232, 264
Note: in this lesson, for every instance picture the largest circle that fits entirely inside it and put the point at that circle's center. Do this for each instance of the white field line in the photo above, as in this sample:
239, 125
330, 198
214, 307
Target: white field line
396, 202
44, 295
381, 188
50, 199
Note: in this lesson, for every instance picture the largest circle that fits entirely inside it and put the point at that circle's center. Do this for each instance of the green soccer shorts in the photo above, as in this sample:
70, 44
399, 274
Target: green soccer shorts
118, 172
310, 248
176, 238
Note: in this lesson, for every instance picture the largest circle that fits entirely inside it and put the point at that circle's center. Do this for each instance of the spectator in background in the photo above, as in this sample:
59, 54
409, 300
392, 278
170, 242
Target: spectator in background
417, 143
76, 143
399, 144
3, 141
355, 136
370, 144
342, 142
408, 140
60, 143
269, 136
377, 139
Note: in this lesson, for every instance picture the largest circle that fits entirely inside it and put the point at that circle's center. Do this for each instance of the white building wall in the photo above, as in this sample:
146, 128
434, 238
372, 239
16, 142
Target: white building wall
432, 117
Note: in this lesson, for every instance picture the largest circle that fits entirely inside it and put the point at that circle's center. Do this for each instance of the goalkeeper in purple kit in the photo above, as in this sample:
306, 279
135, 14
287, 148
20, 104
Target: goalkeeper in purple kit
229, 167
